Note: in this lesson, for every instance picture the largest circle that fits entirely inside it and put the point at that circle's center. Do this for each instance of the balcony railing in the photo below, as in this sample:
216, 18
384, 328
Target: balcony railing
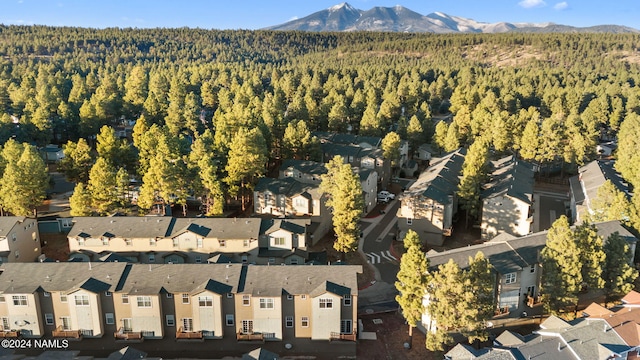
250, 337
339, 336
9, 333
121, 334
70, 334
181, 334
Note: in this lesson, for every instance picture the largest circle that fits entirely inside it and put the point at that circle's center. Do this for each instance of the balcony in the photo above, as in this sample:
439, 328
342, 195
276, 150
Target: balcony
9, 333
187, 335
250, 337
128, 335
346, 337
67, 334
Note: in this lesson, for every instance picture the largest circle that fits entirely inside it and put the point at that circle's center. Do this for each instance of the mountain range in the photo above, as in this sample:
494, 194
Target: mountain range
344, 17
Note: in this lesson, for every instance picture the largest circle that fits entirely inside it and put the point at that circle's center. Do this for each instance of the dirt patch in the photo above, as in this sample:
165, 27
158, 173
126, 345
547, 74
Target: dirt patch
55, 246
392, 333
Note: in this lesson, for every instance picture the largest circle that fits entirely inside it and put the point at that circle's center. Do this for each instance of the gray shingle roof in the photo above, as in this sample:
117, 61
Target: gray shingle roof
64, 277
439, 180
8, 222
514, 254
304, 166
221, 228
288, 187
121, 226
595, 173
510, 177
272, 280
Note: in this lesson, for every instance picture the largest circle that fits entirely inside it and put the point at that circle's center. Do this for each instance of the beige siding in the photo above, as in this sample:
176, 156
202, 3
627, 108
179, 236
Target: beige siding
85, 317
268, 320
22, 241
303, 309
27, 318
325, 320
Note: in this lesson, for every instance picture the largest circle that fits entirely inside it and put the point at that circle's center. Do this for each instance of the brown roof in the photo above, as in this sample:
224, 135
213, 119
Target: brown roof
597, 310
633, 297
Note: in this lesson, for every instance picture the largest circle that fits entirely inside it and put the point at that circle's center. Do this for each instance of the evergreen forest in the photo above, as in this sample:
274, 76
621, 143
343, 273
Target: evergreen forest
213, 108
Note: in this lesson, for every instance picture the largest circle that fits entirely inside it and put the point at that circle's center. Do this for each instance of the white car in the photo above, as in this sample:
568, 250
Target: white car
385, 196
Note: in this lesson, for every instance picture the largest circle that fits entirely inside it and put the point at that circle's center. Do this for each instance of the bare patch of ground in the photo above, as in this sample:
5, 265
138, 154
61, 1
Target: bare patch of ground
55, 246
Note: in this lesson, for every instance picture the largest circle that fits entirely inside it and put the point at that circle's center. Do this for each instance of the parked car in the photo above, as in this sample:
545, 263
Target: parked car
385, 196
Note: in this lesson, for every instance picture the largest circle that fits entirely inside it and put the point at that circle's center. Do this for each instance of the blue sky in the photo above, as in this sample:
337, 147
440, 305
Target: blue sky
256, 14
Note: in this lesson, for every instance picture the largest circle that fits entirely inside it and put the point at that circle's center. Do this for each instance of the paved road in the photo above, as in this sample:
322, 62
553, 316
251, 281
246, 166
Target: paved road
551, 207
378, 242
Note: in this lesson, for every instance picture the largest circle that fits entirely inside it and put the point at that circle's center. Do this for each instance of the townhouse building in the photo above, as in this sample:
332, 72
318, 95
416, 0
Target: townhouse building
516, 266
507, 198
19, 239
135, 302
429, 205
187, 240
584, 186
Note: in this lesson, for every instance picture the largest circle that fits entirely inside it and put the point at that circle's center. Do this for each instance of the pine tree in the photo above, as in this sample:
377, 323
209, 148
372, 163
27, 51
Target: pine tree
627, 154
591, 254
80, 201
473, 174
479, 296
412, 280
561, 268
102, 186
617, 274
446, 292
391, 147
440, 135
452, 141
530, 141
24, 183
77, 161
345, 199
246, 160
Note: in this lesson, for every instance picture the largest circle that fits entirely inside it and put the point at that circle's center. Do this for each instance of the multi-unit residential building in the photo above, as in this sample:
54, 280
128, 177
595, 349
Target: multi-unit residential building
584, 186
507, 198
600, 334
188, 240
131, 302
516, 266
19, 239
429, 205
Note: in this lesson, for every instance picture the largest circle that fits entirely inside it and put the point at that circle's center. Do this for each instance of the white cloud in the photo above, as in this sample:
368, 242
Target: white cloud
561, 5
527, 4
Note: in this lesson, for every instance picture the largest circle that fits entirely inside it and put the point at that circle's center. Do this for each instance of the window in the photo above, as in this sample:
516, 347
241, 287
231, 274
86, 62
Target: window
533, 268
409, 221
247, 326
176, 242
20, 300
185, 298
66, 323
125, 299
63, 298
199, 242
288, 322
14, 237
303, 297
246, 242
305, 321
105, 241
278, 241
326, 303
266, 303
107, 293
152, 258
17, 254
272, 260
187, 324
169, 296
5, 323
294, 261
127, 324
46, 294
144, 301
229, 296
170, 320
510, 278
109, 319
229, 320
205, 301
345, 327
82, 300
346, 300
198, 259
80, 241
48, 319
2, 299
152, 242
246, 300
289, 297
245, 259
300, 202
128, 242
222, 242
